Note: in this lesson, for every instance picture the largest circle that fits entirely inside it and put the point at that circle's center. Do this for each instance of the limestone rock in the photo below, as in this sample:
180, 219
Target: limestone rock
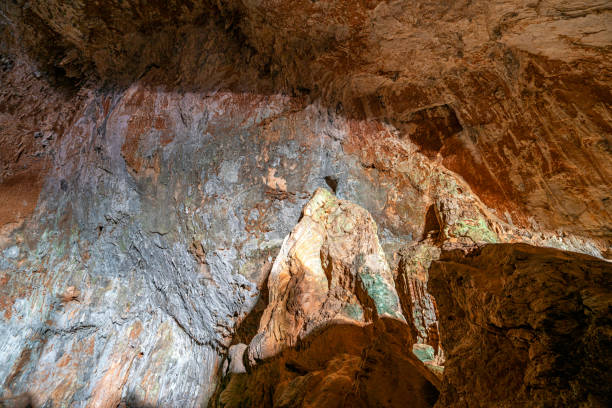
511, 95
333, 333
525, 326
154, 155
418, 304
331, 269
235, 357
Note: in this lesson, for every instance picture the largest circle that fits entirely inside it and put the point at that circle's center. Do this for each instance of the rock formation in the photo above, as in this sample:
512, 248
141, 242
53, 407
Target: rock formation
330, 269
524, 326
155, 155
333, 333
418, 304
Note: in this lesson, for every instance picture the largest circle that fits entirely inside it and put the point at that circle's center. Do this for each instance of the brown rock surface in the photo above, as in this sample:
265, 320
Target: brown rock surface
341, 365
331, 269
524, 326
514, 96
154, 154
34, 115
333, 333
418, 304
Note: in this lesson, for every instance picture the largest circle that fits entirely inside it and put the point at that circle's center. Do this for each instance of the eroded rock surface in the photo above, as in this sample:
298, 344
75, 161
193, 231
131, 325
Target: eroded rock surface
418, 304
512, 95
330, 269
524, 326
154, 155
333, 333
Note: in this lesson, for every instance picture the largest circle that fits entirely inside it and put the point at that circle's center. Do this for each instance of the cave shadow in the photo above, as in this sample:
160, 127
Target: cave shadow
375, 361
24, 400
210, 52
249, 325
134, 402
432, 228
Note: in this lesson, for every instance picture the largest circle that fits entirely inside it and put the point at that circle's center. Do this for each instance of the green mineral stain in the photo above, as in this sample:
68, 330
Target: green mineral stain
384, 298
353, 311
59, 248
122, 241
423, 352
447, 184
478, 230
417, 317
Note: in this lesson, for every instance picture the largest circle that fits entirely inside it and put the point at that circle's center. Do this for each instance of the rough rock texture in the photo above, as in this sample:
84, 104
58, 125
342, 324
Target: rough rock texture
330, 269
341, 365
512, 94
524, 326
418, 304
156, 211
333, 333
156, 154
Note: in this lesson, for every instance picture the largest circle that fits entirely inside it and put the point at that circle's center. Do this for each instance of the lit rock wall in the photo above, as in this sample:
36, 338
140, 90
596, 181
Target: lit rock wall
333, 333
154, 157
158, 221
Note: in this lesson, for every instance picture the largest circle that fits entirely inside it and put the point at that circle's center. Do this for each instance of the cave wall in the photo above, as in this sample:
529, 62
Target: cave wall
515, 94
154, 156
540, 314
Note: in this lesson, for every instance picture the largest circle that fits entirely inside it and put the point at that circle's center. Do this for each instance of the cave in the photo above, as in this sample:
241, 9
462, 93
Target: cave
373, 203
